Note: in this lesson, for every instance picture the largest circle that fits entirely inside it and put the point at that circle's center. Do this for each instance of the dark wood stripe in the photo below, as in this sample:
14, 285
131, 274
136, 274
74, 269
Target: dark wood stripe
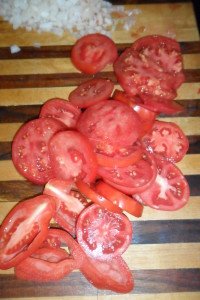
146, 281
67, 79
61, 51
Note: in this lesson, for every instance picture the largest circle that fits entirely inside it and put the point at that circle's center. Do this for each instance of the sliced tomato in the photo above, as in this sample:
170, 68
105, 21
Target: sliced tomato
110, 125
166, 140
91, 91
112, 275
147, 117
72, 156
50, 264
103, 234
93, 52
24, 229
69, 204
30, 153
136, 177
62, 110
170, 191
90, 193
123, 201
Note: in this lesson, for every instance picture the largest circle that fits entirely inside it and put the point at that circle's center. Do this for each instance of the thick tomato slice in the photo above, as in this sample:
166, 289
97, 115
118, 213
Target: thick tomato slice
62, 110
166, 140
72, 156
92, 195
69, 203
93, 52
91, 92
111, 275
136, 177
110, 125
170, 191
103, 234
24, 229
30, 153
123, 201
50, 264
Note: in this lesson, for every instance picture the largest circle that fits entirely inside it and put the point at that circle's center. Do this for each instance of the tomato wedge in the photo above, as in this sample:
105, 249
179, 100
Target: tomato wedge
91, 92
103, 234
24, 229
123, 201
93, 52
90, 193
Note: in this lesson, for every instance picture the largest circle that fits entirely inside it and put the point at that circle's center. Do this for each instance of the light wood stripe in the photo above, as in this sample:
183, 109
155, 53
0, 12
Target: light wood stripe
64, 65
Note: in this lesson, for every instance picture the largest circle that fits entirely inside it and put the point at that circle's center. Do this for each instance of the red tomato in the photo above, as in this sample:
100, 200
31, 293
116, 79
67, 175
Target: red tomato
30, 153
110, 125
62, 110
72, 156
147, 117
91, 91
103, 234
123, 201
92, 52
96, 198
112, 275
24, 229
69, 205
136, 177
170, 191
166, 140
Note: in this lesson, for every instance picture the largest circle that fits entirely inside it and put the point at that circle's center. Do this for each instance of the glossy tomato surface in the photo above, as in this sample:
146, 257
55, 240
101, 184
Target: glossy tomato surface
30, 153
92, 52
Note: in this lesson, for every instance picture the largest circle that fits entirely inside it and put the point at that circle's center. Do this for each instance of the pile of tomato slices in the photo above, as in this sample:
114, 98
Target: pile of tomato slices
100, 156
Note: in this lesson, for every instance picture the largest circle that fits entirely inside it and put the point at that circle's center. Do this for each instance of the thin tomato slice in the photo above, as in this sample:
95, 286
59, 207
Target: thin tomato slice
123, 201
90, 193
24, 229
103, 234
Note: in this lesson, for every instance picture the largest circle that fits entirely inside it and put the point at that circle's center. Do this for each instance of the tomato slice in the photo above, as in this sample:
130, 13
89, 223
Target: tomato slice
112, 275
90, 193
170, 191
93, 52
166, 140
103, 234
72, 156
123, 201
109, 125
30, 153
147, 117
50, 264
91, 92
24, 229
69, 203
62, 110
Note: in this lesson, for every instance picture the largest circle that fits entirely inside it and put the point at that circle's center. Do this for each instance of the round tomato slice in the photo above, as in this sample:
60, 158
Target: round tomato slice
93, 52
62, 110
24, 229
72, 156
96, 198
170, 191
30, 153
92, 91
166, 140
109, 125
103, 234
123, 201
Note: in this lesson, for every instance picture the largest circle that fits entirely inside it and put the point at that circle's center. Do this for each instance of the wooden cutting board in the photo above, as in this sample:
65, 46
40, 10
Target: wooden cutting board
165, 252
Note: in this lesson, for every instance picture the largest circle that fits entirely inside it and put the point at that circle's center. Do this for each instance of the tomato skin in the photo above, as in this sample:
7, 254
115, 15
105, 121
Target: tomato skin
92, 52
62, 110
91, 92
24, 229
30, 153
72, 156
103, 234
123, 201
